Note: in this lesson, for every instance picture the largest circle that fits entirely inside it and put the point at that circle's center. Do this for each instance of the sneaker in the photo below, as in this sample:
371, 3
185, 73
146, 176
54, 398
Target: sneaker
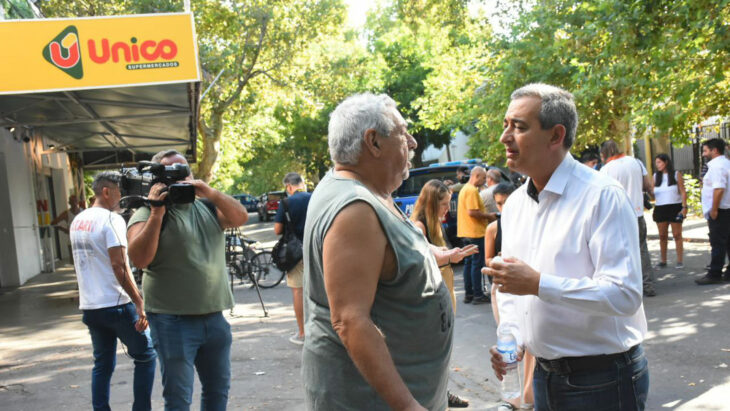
649, 292
505, 406
468, 299
708, 279
660, 265
679, 266
482, 300
296, 339
455, 401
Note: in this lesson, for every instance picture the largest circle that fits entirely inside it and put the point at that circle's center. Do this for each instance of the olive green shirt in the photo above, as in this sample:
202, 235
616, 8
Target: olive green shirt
188, 274
412, 310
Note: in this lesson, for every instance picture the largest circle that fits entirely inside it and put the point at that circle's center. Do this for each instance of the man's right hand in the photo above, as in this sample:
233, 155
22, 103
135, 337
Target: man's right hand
158, 192
499, 366
713, 213
141, 323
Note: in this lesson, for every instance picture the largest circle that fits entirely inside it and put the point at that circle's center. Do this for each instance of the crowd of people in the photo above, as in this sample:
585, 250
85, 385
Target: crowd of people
374, 294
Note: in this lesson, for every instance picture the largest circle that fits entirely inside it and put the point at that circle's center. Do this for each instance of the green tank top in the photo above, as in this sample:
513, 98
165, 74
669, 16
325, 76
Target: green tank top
413, 311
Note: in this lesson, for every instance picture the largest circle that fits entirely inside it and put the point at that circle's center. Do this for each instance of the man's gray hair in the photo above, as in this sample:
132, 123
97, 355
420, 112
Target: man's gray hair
105, 179
292, 179
157, 158
355, 115
494, 175
557, 107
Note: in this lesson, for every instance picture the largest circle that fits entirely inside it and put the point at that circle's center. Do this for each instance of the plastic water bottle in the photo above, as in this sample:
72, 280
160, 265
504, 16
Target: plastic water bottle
507, 346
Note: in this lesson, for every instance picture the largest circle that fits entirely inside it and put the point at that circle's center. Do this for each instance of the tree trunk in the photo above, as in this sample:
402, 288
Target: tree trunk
211, 137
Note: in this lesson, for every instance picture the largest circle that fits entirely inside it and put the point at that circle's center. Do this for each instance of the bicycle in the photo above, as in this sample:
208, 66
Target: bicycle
250, 264
246, 263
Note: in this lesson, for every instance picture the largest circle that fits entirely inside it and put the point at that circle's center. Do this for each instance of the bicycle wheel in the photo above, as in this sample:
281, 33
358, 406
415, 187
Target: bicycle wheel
264, 270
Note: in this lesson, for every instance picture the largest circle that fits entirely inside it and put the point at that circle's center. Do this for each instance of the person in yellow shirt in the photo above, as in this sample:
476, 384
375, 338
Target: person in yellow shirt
471, 223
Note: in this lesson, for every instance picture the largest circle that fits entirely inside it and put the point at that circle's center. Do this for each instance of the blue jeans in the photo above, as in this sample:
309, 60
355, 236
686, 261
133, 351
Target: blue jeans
624, 387
473, 269
105, 326
188, 342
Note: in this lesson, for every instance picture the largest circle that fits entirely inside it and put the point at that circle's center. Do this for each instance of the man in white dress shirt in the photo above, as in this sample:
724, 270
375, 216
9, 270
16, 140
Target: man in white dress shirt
716, 207
571, 276
633, 177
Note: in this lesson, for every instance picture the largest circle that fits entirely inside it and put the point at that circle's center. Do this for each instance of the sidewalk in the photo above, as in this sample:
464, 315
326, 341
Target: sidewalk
46, 358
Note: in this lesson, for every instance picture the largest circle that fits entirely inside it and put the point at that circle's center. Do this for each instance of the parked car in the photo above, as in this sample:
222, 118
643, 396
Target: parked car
268, 204
407, 194
248, 201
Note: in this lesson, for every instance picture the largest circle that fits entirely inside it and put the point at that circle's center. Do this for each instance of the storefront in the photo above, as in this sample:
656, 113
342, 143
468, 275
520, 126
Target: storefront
81, 94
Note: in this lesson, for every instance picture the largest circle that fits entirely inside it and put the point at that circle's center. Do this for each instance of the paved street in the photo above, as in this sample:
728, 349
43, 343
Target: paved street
45, 350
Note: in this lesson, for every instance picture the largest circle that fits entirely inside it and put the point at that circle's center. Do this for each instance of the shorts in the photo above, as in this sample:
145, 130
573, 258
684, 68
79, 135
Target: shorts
294, 276
667, 213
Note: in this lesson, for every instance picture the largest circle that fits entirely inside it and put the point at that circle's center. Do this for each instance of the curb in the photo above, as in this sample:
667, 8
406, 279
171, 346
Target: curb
686, 239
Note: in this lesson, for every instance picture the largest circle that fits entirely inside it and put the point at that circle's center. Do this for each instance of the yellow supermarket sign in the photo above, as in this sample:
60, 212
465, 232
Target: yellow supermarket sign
69, 54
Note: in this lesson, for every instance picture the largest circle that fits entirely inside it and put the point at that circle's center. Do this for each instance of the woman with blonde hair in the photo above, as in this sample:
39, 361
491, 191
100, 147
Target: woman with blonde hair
430, 208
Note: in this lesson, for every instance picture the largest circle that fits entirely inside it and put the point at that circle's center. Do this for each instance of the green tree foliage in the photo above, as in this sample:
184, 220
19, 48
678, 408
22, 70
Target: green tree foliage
408, 37
658, 66
252, 43
327, 72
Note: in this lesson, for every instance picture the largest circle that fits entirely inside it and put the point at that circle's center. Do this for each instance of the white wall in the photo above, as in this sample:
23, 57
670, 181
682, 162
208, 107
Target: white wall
21, 241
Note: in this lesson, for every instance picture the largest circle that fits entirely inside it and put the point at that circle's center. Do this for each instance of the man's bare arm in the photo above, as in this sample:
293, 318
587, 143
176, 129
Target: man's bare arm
124, 277
230, 212
351, 275
278, 228
481, 215
144, 237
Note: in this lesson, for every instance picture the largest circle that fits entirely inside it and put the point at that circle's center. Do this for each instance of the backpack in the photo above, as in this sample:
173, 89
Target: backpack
288, 250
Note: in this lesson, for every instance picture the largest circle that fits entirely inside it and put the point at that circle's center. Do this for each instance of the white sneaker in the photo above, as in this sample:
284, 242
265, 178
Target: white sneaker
679, 266
296, 339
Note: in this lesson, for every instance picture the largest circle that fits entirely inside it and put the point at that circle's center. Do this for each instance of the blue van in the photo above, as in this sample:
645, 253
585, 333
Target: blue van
407, 194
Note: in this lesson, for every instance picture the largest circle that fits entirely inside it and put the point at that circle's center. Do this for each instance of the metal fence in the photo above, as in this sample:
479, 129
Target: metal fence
688, 159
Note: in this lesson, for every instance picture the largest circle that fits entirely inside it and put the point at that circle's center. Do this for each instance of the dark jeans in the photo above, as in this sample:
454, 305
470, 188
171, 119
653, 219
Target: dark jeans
623, 387
105, 326
473, 269
647, 272
719, 231
186, 343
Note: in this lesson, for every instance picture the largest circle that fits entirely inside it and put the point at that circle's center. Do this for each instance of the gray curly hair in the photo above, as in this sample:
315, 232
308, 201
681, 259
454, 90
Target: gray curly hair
349, 121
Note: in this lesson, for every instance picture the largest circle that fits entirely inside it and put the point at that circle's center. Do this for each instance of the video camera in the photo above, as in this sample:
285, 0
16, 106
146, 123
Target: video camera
136, 182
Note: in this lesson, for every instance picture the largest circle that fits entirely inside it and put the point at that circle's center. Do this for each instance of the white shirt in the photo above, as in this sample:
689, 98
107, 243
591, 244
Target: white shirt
665, 194
716, 177
583, 238
630, 173
93, 232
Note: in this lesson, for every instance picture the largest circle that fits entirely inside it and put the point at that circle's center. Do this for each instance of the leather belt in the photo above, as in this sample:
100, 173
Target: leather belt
568, 365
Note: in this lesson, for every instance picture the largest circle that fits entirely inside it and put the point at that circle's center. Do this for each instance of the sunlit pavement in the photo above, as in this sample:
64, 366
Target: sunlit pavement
46, 359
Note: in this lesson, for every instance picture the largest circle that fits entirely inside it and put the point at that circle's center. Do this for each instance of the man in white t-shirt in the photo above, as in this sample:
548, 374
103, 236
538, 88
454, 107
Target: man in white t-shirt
634, 178
716, 207
111, 304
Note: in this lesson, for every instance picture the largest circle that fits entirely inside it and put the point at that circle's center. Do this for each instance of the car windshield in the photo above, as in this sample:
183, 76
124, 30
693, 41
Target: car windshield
412, 186
274, 197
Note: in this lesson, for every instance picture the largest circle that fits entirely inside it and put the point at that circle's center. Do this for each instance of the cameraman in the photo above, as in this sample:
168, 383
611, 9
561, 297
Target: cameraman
182, 249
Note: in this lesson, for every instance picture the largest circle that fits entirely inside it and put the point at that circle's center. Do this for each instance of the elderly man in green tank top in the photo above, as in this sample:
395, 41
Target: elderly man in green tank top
378, 316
